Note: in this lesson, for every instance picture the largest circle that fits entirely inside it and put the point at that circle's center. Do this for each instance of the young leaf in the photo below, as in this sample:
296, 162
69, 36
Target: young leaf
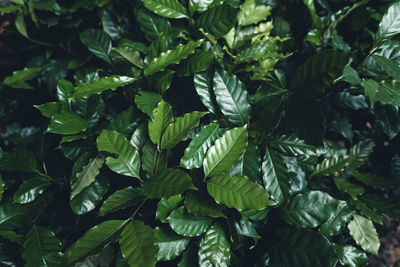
168, 182
218, 20
364, 233
166, 205
350, 256
169, 243
121, 199
162, 116
95, 239
101, 85
214, 249
98, 42
232, 97
169, 57
137, 244
226, 151
196, 150
187, 224
147, 101
177, 131
67, 122
166, 8
238, 192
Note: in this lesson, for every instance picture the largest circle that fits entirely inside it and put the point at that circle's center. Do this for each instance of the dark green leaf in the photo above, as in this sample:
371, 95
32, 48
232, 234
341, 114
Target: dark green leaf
345, 186
292, 145
372, 180
20, 160
147, 101
169, 243
101, 85
390, 67
49, 109
201, 60
121, 199
218, 20
153, 160
166, 8
30, 189
19, 78
152, 25
198, 204
250, 163
67, 122
166, 205
214, 248
350, 256
187, 224
389, 25
98, 43
203, 85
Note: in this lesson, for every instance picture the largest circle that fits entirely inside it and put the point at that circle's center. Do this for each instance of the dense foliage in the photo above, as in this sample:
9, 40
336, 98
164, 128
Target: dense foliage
199, 132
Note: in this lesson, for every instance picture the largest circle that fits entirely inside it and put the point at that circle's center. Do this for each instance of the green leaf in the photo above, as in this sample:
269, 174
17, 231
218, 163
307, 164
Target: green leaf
275, 176
331, 166
302, 247
350, 75
189, 257
13, 237
101, 85
226, 151
339, 217
127, 53
232, 97
137, 244
67, 122
364, 233
49, 109
200, 61
246, 228
166, 8
203, 85
200, 5
90, 197
389, 66
313, 208
350, 256
147, 101
20, 160
345, 186
30, 189
199, 204
169, 57
238, 192
152, 160
389, 25
19, 78
128, 160
177, 131
64, 90
218, 20
152, 25
359, 153
162, 117
372, 180
187, 224
214, 249
250, 163
382, 205
161, 81
95, 239
98, 43
196, 150
121, 199
39, 245
169, 243
2, 187
290, 144
368, 212
166, 205
318, 72
168, 182
86, 176
251, 13
125, 122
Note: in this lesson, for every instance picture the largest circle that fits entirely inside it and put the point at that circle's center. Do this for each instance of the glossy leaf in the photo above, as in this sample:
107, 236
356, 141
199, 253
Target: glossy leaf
226, 151
360, 152
187, 224
238, 192
162, 117
95, 239
251, 13
335, 223
232, 97
166, 205
147, 101
101, 85
290, 144
19, 78
121, 199
166, 8
196, 150
177, 131
137, 244
200, 61
364, 233
67, 122
389, 25
153, 160
169, 243
49, 109
345, 186
201, 205
218, 20
168, 182
98, 43
214, 249
331, 166
30, 189
20, 160
250, 163
350, 256
152, 25
127, 53
203, 85
174, 56
125, 122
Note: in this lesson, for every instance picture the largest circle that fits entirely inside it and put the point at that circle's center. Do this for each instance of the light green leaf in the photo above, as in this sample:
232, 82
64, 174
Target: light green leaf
226, 151
168, 182
166, 205
214, 249
372, 180
39, 246
364, 233
162, 117
389, 66
187, 224
86, 176
345, 186
121, 199
275, 176
218, 20
232, 97
169, 57
251, 13
238, 192
128, 160
177, 131
196, 150
30, 189
389, 25
166, 8
138, 246
290, 144
127, 53
199, 5
49, 109
101, 85
169, 243
67, 122
331, 166
95, 239
98, 42
350, 75
19, 78
20, 160
350, 256
64, 90
198, 204
147, 101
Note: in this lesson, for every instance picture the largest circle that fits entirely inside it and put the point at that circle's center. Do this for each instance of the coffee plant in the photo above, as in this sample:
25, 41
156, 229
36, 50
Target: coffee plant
199, 132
